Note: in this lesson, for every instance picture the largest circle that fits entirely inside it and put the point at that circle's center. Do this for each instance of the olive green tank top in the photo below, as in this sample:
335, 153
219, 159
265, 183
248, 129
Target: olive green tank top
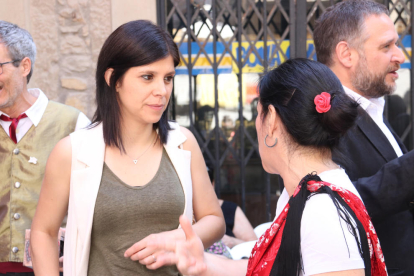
126, 214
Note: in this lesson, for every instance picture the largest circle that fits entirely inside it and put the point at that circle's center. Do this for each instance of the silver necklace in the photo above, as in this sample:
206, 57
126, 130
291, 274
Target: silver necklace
136, 159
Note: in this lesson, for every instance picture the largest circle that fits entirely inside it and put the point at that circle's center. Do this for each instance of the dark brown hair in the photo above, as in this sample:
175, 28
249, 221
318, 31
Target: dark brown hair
343, 22
135, 43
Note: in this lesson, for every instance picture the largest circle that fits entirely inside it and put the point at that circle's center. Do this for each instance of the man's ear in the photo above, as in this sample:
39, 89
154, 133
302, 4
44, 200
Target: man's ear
108, 74
345, 54
26, 64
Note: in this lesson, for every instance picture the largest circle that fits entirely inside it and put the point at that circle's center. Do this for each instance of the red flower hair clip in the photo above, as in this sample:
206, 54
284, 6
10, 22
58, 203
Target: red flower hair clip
323, 102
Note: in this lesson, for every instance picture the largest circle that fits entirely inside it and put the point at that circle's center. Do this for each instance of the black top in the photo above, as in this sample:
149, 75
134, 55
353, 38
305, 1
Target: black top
229, 212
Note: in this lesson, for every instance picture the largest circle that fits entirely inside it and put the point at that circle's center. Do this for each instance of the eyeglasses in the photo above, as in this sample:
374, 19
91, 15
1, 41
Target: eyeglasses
1, 65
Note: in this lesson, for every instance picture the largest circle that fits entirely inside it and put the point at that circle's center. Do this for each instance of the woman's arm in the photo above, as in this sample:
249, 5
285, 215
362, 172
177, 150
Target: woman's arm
51, 209
210, 225
242, 230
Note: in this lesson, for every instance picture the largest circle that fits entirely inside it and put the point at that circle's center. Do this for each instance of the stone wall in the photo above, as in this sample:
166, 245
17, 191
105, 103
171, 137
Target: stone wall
69, 40
69, 35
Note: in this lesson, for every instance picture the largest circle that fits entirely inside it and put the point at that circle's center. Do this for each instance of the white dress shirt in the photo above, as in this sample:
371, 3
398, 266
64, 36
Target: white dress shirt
375, 109
34, 115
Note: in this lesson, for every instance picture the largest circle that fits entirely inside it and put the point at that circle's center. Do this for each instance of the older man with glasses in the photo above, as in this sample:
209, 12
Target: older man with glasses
31, 125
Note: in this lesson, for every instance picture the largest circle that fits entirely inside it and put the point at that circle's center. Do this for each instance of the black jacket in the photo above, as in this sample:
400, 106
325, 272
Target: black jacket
386, 185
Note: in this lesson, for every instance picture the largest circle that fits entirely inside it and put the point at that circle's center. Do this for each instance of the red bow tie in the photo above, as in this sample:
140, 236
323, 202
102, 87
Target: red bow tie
12, 128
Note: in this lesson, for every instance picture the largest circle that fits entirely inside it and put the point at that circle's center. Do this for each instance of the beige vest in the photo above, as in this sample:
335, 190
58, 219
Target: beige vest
88, 150
20, 181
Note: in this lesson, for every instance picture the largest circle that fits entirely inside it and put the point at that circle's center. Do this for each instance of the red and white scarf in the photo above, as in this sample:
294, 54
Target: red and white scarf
265, 251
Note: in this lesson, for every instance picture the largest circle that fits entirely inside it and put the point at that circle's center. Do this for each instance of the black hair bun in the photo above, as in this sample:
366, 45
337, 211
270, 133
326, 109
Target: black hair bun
342, 115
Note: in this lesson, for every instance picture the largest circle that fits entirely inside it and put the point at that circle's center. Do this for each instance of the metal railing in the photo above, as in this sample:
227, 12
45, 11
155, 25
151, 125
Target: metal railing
252, 36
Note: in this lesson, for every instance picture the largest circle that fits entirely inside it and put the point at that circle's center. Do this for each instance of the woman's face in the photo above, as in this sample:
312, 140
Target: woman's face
145, 90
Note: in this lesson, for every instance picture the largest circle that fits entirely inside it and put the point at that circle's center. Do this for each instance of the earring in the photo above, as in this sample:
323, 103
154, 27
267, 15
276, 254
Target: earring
267, 144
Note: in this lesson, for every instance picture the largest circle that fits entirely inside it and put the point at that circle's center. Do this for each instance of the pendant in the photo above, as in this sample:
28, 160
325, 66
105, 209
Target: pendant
135, 161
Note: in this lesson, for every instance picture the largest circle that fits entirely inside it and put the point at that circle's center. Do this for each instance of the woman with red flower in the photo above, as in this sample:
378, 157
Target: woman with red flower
321, 225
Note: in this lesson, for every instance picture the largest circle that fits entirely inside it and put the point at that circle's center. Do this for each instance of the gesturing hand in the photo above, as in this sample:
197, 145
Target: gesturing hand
187, 255
147, 254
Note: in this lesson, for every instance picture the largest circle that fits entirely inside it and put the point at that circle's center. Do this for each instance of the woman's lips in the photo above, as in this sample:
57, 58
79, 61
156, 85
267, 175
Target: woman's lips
156, 106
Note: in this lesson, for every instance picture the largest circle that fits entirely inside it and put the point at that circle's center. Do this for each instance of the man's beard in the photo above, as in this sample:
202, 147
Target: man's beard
370, 84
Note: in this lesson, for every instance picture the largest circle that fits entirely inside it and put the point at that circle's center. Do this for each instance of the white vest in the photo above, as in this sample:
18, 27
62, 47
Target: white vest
88, 150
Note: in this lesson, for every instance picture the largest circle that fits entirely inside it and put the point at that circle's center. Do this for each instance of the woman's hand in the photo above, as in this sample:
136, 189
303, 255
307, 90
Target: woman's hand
147, 254
187, 254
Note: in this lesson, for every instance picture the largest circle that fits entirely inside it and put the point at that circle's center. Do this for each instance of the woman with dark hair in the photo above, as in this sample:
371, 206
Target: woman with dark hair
321, 225
125, 181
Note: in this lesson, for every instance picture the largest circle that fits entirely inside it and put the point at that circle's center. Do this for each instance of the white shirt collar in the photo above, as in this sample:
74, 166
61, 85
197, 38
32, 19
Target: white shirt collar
378, 103
35, 112
374, 107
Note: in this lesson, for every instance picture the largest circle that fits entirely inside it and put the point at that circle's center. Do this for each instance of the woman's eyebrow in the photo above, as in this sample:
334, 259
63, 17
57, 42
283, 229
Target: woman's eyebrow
150, 72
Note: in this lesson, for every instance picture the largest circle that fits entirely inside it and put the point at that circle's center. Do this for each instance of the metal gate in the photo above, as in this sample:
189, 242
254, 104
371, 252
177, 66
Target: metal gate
225, 46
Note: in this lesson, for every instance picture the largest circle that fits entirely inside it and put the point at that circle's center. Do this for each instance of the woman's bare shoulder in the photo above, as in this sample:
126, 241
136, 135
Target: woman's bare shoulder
191, 141
62, 152
187, 132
